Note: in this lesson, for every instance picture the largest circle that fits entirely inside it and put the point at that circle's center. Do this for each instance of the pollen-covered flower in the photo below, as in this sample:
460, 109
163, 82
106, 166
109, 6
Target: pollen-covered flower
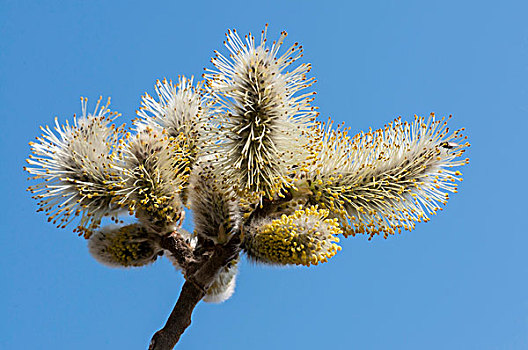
303, 238
385, 180
263, 113
182, 110
76, 165
154, 171
179, 109
223, 286
123, 246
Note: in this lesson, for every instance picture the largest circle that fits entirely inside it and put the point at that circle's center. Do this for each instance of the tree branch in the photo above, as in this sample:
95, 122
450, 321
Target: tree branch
193, 291
179, 319
178, 248
200, 268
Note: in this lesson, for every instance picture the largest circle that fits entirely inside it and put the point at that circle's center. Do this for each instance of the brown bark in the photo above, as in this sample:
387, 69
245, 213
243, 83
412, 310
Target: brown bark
179, 249
179, 319
204, 272
200, 268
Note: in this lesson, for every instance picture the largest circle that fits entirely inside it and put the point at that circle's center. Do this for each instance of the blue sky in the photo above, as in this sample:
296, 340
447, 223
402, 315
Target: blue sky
457, 282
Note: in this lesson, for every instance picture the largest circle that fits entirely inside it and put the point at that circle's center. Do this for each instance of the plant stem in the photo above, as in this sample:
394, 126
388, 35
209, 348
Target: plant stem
192, 292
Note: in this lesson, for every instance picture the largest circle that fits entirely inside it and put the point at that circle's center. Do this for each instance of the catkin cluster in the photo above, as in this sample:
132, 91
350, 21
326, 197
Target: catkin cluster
244, 152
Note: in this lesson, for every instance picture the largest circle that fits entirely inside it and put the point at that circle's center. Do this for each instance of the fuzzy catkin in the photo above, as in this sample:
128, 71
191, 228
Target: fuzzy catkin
126, 246
306, 237
77, 165
388, 179
154, 171
215, 208
263, 115
223, 286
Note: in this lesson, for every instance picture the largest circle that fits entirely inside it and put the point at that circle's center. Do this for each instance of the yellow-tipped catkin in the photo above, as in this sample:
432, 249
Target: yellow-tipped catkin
182, 111
125, 246
383, 181
263, 113
305, 237
155, 167
76, 164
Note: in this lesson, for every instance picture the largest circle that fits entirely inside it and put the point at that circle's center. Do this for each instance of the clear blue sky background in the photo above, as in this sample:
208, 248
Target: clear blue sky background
457, 282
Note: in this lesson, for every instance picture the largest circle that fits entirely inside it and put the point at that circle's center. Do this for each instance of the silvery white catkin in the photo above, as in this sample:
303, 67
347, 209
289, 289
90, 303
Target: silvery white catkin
223, 286
263, 114
183, 111
75, 164
215, 208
